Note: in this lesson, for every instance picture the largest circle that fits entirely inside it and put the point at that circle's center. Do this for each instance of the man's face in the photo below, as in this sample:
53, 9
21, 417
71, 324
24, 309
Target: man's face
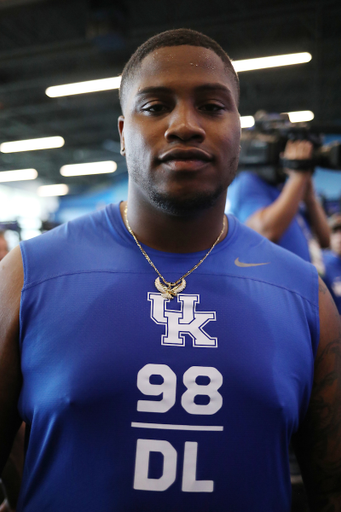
335, 240
181, 129
3, 247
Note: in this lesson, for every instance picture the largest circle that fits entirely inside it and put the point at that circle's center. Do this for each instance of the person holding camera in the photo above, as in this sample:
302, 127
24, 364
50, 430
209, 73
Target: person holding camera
289, 215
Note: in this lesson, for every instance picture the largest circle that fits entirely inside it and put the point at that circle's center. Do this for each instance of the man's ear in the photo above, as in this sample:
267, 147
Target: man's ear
121, 132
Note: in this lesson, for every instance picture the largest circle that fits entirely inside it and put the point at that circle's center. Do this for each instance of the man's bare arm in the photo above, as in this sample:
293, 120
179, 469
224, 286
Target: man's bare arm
317, 216
318, 441
11, 282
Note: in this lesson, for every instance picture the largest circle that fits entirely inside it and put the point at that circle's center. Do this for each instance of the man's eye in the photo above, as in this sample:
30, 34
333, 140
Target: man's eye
212, 107
155, 108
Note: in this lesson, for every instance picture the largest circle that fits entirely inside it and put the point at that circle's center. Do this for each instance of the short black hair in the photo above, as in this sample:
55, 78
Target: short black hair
175, 37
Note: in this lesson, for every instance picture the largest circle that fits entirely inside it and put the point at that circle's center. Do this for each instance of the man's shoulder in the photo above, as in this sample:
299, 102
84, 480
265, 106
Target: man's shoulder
74, 246
255, 257
69, 232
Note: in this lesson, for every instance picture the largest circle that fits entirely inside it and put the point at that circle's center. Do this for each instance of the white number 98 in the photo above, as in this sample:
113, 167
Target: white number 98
168, 389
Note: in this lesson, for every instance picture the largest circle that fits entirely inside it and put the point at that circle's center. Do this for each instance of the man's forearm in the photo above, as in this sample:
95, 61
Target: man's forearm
318, 221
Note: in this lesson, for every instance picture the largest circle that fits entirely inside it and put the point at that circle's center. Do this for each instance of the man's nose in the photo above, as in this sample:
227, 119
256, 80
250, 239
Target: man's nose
184, 124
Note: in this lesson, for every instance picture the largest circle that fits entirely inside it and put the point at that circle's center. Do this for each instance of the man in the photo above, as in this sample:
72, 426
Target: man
3, 245
290, 214
332, 260
167, 352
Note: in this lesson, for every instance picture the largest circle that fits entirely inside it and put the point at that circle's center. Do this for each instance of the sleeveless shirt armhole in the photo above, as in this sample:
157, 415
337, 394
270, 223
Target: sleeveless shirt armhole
25, 263
25, 268
315, 280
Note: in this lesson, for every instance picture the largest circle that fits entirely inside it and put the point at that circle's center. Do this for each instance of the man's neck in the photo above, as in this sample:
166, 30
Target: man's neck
171, 233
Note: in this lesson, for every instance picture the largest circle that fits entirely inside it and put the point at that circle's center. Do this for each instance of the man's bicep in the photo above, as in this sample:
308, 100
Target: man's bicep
11, 282
318, 441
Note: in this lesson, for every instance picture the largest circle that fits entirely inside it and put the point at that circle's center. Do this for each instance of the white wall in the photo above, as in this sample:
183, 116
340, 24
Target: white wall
26, 207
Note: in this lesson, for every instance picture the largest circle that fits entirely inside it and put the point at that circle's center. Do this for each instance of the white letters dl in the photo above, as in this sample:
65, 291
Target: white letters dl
189, 482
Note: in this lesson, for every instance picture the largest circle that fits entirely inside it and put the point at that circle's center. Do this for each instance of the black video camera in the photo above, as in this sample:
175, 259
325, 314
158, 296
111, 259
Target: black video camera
263, 144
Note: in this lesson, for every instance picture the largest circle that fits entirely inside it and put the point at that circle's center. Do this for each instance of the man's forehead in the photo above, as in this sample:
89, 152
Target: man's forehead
178, 65
183, 58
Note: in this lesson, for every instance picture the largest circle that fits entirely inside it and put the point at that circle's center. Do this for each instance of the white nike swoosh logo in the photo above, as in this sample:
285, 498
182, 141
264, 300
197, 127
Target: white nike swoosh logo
241, 264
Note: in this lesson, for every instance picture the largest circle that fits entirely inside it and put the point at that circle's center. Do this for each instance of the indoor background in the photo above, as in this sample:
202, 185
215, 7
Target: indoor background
49, 43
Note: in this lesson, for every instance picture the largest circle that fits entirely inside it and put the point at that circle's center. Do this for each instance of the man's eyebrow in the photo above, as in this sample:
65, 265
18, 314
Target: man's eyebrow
213, 87
153, 90
209, 87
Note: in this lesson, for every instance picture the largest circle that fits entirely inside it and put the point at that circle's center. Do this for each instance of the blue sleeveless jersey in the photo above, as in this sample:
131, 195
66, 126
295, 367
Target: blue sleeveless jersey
135, 403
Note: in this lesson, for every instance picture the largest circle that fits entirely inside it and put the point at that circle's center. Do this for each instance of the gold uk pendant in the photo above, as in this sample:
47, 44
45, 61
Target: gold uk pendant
169, 292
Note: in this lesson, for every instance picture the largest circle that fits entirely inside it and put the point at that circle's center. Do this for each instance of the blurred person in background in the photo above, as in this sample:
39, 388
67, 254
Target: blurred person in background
332, 260
3, 245
288, 214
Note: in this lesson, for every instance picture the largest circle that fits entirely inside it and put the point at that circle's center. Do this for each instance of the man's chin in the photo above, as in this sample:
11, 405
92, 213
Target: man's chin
185, 206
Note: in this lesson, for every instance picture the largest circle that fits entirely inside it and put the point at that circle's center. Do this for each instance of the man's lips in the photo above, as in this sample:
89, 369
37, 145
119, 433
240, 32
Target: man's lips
185, 154
185, 159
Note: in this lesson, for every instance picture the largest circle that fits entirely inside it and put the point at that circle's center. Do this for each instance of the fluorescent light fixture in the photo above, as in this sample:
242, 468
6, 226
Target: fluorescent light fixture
32, 144
301, 116
53, 190
247, 121
18, 175
89, 168
103, 84
271, 62
108, 84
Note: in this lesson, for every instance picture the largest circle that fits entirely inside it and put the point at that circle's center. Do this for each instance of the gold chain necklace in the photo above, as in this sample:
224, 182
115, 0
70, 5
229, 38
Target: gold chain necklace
167, 289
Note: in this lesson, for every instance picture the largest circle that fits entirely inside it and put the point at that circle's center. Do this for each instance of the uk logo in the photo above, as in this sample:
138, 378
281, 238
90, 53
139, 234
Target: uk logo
184, 321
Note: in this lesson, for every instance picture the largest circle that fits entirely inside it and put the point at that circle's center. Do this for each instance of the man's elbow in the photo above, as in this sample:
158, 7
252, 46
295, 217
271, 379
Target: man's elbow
255, 222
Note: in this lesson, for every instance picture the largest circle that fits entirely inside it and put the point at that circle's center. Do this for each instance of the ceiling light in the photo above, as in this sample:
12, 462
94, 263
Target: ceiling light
108, 84
89, 168
301, 116
247, 121
18, 175
53, 190
103, 84
32, 144
271, 62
